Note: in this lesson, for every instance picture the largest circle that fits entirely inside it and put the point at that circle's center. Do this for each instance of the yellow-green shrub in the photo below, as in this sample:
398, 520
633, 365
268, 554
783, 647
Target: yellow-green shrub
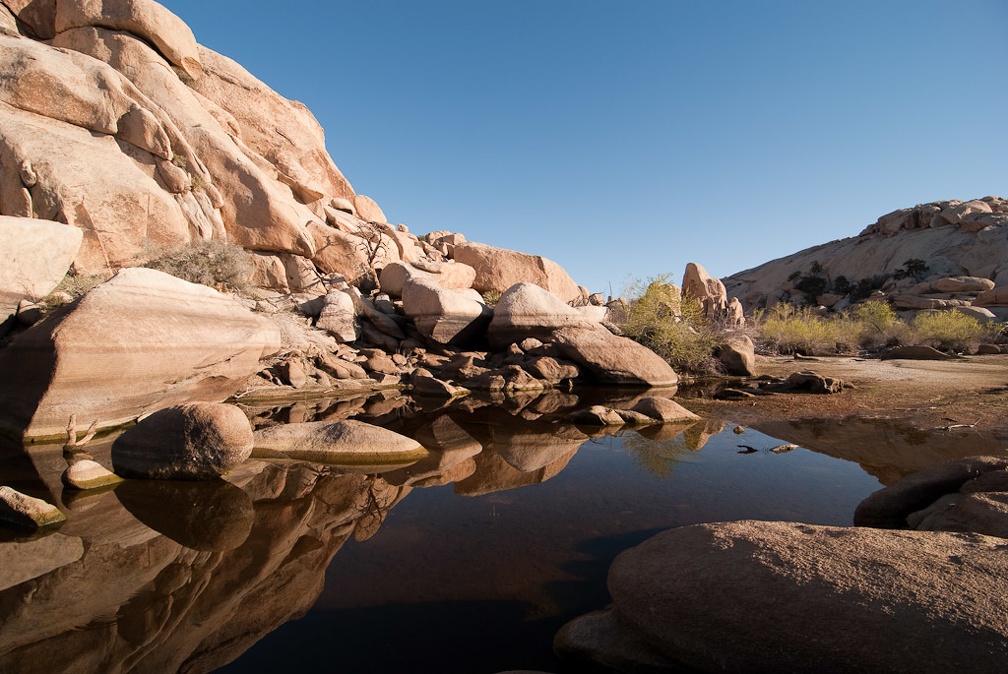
951, 330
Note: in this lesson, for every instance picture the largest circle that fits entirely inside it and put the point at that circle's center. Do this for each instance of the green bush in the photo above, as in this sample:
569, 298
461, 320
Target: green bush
952, 331
210, 263
73, 285
789, 329
673, 328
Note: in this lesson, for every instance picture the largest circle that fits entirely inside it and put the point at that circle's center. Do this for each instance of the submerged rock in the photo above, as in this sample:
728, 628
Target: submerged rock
26, 511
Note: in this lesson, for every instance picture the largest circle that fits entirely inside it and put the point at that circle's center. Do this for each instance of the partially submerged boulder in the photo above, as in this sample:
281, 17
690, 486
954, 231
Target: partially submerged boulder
26, 511
738, 355
136, 343
342, 442
196, 441
443, 315
775, 596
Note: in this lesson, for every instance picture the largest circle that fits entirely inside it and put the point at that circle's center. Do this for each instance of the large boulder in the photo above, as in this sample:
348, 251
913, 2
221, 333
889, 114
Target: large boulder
34, 257
451, 275
445, 316
738, 355
774, 596
497, 269
528, 310
993, 297
614, 360
701, 286
196, 441
141, 341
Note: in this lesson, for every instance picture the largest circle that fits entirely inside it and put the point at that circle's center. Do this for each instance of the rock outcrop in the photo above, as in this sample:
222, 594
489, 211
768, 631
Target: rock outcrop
497, 269
139, 342
959, 248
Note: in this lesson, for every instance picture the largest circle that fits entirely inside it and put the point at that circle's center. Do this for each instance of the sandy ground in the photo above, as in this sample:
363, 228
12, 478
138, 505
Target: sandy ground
901, 415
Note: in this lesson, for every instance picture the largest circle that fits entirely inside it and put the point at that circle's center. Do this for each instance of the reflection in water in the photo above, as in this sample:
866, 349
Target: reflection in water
156, 576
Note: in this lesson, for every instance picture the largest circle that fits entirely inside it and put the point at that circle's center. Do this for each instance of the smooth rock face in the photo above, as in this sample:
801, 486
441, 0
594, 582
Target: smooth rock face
450, 275
338, 317
445, 316
143, 18
993, 297
26, 511
343, 442
141, 341
614, 360
889, 508
738, 355
527, 310
197, 441
34, 257
773, 596
497, 269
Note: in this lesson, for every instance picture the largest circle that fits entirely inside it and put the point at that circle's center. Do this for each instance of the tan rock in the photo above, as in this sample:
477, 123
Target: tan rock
165, 340
497, 269
34, 257
342, 442
338, 317
449, 274
699, 285
665, 410
38, 16
445, 316
840, 598
86, 474
528, 310
368, 210
961, 284
144, 18
995, 297
738, 355
27, 511
614, 360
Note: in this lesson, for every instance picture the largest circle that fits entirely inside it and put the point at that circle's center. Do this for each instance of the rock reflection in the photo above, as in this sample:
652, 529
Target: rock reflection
207, 515
167, 576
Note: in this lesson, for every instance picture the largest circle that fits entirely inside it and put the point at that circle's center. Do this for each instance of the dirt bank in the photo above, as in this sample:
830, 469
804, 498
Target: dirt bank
901, 415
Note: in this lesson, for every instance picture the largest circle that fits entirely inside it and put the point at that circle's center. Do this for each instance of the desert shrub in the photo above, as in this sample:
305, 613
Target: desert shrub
789, 329
210, 263
951, 330
842, 286
492, 297
74, 285
866, 286
879, 325
672, 327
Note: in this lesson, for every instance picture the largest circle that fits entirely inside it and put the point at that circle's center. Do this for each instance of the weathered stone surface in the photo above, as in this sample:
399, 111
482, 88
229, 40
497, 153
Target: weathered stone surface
699, 285
527, 310
87, 474
614, 360
152, 338
981, 513
994, 297
840, 599
738, 355
341, 442
497, 269
960, 284
445, 316
888, 508
449, 274
368, 210
34, 257
665, 410
597, 415
195, 441
143, 18
916, 352
338, 317
26, 511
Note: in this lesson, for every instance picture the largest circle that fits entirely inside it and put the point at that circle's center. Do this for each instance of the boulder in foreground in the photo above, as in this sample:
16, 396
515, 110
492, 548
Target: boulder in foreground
774, 596
26, 511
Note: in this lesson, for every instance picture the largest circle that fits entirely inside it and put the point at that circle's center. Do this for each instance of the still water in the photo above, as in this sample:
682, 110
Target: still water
469, 562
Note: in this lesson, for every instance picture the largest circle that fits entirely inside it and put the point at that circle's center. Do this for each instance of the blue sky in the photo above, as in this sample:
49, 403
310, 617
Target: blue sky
625, 139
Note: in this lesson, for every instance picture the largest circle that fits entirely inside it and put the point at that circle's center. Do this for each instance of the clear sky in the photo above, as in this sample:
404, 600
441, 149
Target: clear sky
627, 138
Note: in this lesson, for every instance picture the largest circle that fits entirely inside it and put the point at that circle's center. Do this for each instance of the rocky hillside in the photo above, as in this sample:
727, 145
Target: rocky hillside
935, 255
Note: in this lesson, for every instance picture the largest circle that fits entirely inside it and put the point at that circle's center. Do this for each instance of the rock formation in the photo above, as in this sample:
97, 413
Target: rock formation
933, 256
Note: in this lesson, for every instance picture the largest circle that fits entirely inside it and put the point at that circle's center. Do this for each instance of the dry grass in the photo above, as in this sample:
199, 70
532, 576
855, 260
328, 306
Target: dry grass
211, 263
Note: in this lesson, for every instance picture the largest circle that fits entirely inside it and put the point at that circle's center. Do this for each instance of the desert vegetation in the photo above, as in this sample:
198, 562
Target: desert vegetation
211, 263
